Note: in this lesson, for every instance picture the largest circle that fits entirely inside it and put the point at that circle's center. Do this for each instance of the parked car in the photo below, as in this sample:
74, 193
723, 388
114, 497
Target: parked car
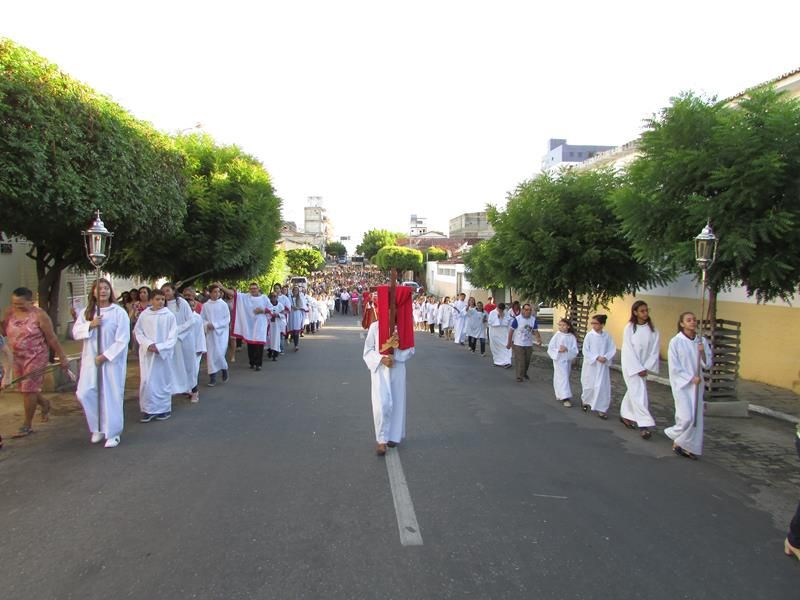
412, 284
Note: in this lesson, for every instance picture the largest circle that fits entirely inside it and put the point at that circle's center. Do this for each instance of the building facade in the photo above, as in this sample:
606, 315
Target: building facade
561, 154
473, 225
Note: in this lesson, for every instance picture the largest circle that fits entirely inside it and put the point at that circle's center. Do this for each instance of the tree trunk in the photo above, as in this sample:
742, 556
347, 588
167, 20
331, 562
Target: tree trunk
573, 309
48, 272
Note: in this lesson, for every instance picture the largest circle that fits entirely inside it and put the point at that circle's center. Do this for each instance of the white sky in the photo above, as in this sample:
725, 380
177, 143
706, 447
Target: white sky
390, 108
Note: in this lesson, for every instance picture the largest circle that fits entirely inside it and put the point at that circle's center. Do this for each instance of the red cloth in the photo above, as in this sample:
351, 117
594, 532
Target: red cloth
405, 316
489, 307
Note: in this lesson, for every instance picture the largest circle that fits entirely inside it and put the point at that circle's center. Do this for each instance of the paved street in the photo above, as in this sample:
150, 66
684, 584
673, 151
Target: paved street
269, 488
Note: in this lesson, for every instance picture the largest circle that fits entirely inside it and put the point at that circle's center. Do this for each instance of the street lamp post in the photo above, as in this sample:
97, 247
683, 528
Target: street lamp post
705, 252
97, 244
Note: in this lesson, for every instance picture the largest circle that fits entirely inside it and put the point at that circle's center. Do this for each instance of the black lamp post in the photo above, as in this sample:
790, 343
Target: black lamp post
97, 244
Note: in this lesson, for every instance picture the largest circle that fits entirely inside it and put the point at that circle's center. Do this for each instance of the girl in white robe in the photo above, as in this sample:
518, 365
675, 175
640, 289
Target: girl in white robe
459, 314
184, 359
216, 319
499, 322
388, 389
445, 317
297, 316
639, 356
275, 318
157, 334
598, 353
686, 381
475, 326
114, 337
562, 349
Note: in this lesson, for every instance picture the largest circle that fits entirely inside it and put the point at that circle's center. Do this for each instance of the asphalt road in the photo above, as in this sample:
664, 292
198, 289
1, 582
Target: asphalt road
269, 488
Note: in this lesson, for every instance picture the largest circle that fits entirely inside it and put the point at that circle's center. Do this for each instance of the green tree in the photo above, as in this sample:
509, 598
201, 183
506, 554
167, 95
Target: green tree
304, 261
277, 273
737, 166
232, 222
560, 241
434, 253
336, 249
402, 259
66, 150
484, 267
374, 240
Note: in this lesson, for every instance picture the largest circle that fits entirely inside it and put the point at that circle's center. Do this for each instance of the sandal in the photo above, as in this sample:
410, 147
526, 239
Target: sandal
585, 408
24, 431
627, 423
603, 416
685, 453
646, 434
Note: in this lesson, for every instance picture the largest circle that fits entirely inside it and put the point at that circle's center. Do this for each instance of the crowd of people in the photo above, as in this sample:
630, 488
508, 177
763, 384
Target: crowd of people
512, 331
170, 330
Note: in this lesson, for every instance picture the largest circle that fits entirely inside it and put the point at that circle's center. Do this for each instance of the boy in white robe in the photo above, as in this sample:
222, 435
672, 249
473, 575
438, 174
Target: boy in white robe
459, 318
388, 378
114, 325
157, 333
639, 356
686, 350
598, 352
297, 316
184, 355
199, 333
274, 319
216, 318
562, 350
499, 322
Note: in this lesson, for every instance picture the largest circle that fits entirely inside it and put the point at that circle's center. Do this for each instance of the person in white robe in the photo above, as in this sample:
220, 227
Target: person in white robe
562, 350
114, 326
184, 356
689, 353
475, 326
431, 309
499, 322
598, 353
640, 355
459, 316
157, 333
199, 333
275, 319
388, 378
298, 315
250, 321
445, 317
216, 319
282, 293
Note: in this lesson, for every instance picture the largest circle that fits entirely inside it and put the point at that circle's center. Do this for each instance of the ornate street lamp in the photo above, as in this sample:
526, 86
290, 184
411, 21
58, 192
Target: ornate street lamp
97, 244
705, 253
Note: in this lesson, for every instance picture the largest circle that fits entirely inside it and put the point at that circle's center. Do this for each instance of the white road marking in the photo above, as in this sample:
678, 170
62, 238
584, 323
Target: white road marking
549, 496
410, 535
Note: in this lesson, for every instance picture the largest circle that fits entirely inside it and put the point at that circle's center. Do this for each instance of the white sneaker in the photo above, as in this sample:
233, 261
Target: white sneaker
97, 437
112, 442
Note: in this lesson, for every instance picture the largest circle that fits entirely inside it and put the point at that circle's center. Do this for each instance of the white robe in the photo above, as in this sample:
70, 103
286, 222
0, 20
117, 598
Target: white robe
474, 323
155, 387
388, 389
683, 355
459, 314
248, 325
184, 359
200, 347
446, 315
430, 313
562, 361
498, 337
286, 304
298, 315
639, 353
596, 376
115, 332
275, 327
216, 314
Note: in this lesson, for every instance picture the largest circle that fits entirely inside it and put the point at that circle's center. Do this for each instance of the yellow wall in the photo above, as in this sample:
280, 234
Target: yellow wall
770, 334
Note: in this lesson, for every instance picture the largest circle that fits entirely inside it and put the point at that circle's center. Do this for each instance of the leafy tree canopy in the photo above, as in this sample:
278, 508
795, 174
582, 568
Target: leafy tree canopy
374, 240
232, 222
559, 240
484, 266
737, 166
402, 259
304, 261
66, 150
336, 249
434, 253
277, 273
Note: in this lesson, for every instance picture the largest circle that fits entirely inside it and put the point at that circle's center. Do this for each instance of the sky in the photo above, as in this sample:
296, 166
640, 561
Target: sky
387, 109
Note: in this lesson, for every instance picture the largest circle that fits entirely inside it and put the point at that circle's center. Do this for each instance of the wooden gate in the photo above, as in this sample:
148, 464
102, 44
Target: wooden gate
579, 317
